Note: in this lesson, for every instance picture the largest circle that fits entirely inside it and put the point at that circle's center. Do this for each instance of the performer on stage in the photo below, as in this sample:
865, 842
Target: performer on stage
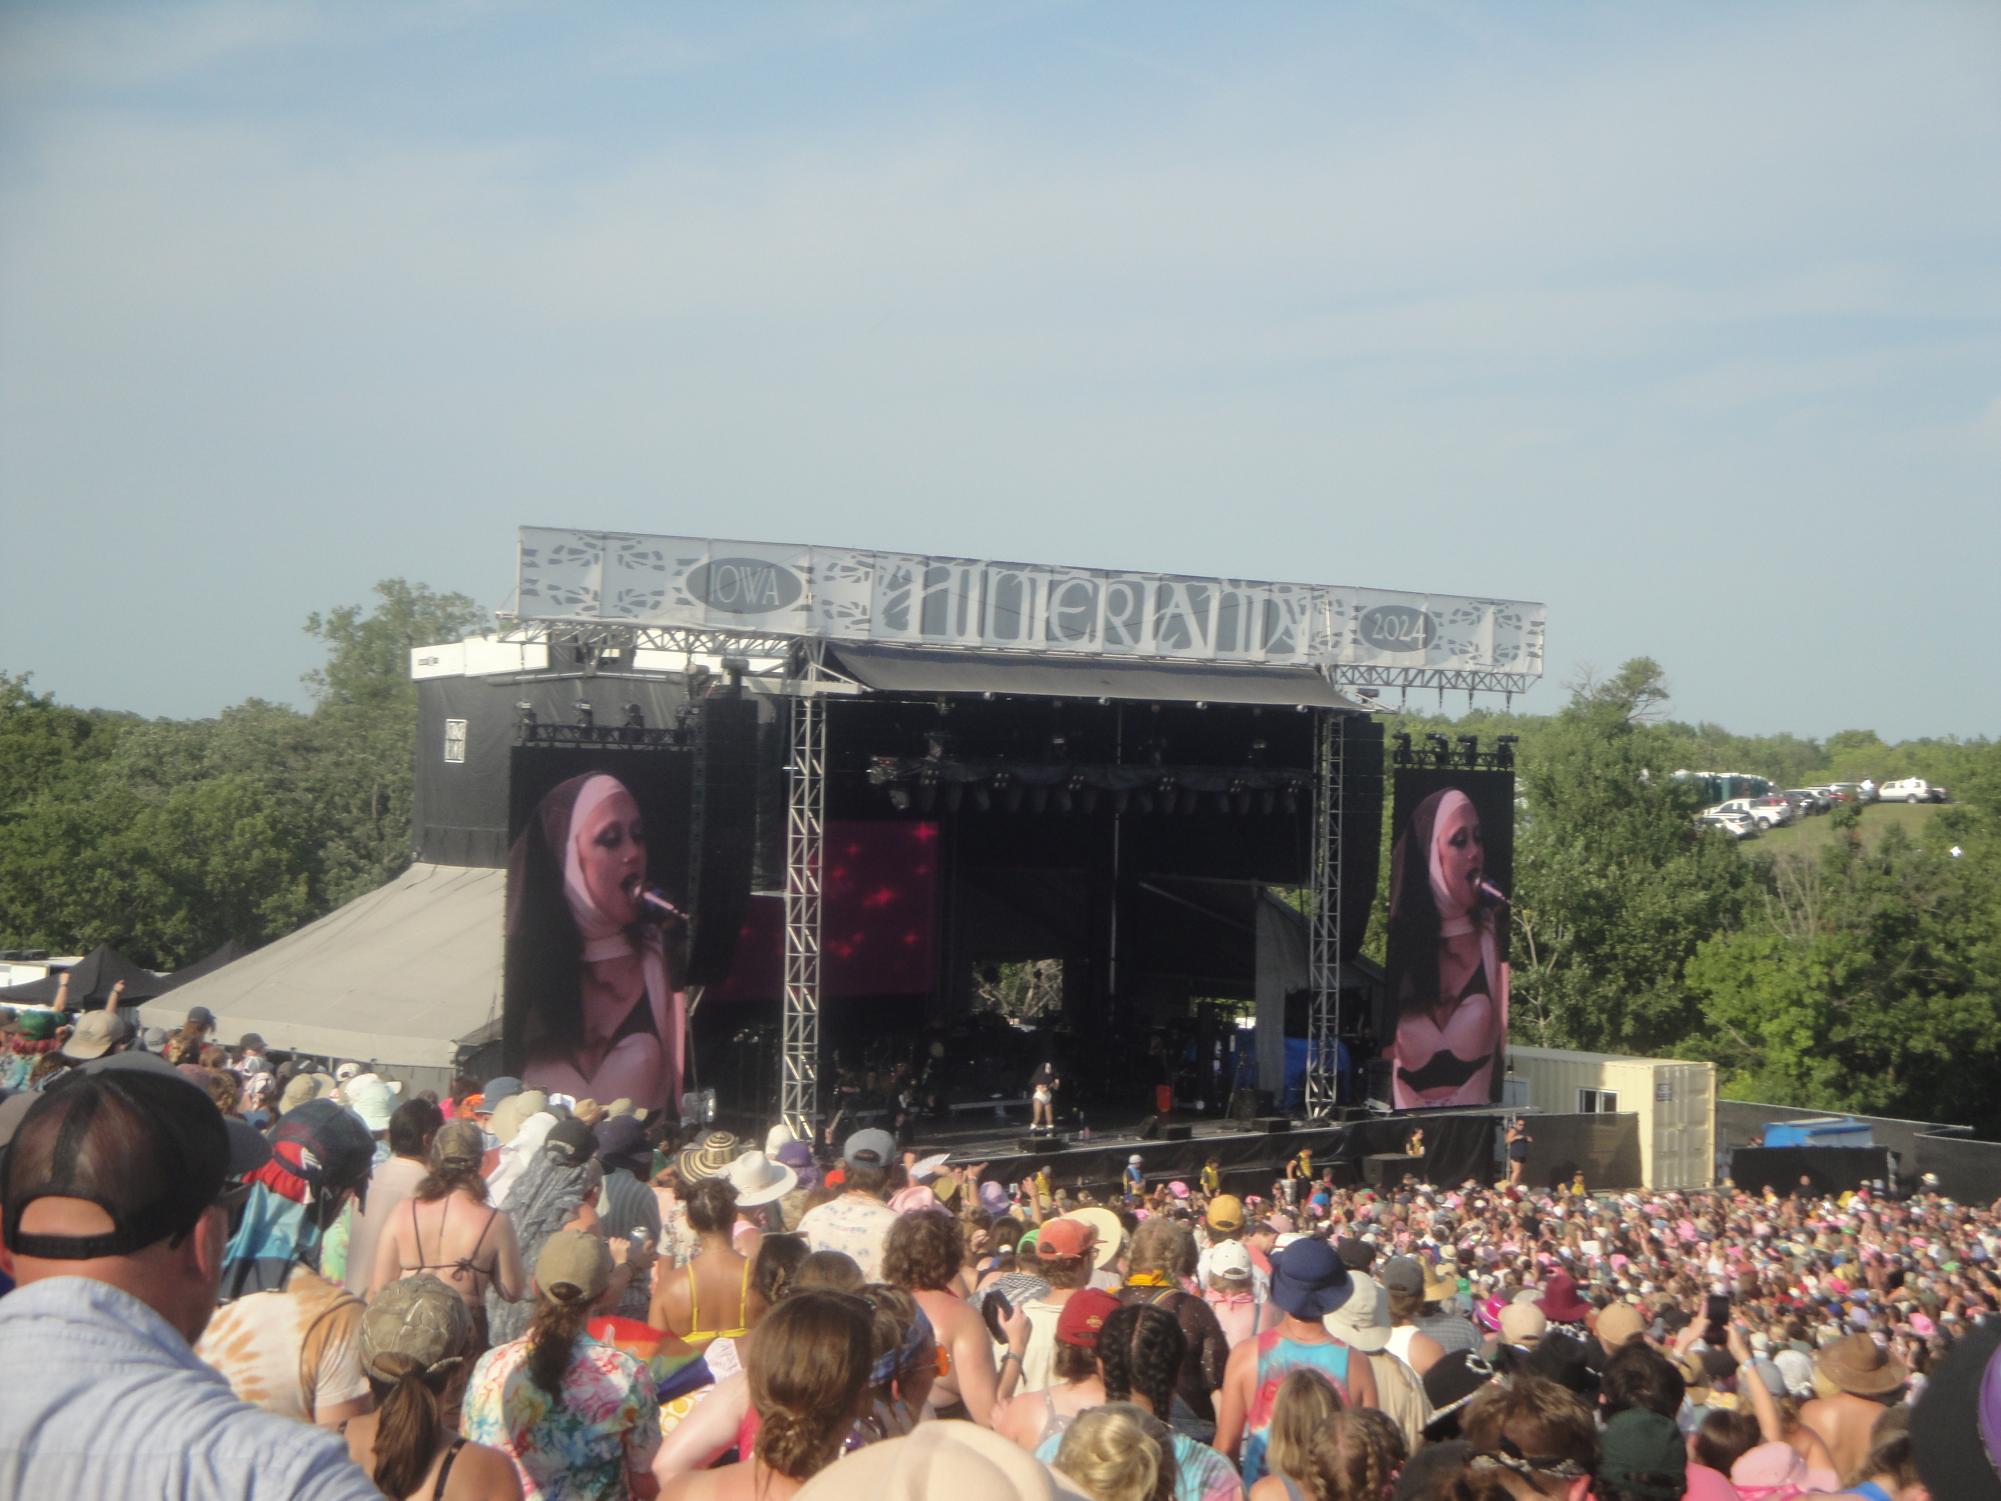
1413, 1144
592, 1008
1042, 1086
1451, 1003
1518, 1150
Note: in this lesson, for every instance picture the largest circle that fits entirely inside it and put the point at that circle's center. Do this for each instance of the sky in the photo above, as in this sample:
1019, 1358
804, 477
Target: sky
1682, 319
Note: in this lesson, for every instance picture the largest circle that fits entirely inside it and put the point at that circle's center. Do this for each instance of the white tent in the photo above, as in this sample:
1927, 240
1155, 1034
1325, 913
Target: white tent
394, 979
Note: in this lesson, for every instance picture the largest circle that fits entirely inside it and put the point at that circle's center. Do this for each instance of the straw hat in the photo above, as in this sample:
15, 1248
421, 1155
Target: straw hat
1857, 1364
1111, 1234
710, 1157
759, 1180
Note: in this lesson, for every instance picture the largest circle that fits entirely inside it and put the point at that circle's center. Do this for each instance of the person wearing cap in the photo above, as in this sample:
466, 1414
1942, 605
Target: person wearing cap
857, 1222
97, 1034
413, 1125
558, 1190
250, 1055
1866, 1378
1062, 1258
1223, 1221
1228, 1293
449, 1229
1134, 1177
1308, 1282
286, 1339
115, 1193
416, 1348
1033, 1416
1363, 1324
628, 1210
1404, 1291
577, 1417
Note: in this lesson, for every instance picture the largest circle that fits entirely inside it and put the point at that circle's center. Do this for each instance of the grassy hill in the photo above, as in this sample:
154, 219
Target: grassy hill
1815, 833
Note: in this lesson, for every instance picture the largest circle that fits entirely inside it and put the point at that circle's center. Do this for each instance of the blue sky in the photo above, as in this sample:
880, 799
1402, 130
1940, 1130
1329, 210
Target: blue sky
1681, 318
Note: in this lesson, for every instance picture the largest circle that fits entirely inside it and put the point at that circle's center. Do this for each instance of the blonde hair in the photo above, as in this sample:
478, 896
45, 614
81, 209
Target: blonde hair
1305, 1407
1118, 1452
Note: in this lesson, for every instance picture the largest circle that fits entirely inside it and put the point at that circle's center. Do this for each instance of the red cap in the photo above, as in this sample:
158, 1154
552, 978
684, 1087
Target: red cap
1083, 1316
1061, 1239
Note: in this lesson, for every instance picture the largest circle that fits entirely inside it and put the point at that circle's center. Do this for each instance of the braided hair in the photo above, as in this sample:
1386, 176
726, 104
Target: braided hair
1140, 1351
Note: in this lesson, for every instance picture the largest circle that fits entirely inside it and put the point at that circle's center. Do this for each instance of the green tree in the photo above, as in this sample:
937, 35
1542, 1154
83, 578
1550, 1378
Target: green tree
1614, 889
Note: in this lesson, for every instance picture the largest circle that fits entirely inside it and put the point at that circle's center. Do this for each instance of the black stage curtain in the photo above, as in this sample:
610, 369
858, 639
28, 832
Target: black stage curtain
1828, 1170
1605, 1148
1968, 1170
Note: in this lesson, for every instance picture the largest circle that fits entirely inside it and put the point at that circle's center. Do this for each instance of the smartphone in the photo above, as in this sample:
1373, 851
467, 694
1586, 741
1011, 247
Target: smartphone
1716, 1328
996, 1310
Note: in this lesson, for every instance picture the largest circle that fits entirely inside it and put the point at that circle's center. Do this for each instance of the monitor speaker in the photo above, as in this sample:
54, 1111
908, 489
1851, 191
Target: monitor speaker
722, 828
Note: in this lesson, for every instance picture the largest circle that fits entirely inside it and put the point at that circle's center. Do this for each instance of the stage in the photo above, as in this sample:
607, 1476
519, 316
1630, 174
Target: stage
1458, 1145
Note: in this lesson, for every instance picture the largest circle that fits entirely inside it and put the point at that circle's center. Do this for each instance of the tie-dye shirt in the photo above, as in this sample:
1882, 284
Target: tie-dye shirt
604, 1428
265, 1343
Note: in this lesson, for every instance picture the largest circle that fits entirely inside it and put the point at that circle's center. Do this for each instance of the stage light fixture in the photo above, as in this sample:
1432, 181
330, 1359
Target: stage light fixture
735, 666
1469, 749
1441, 750
1504, 750
1402, 739
635, 717
899, 799
586, 715
525, 714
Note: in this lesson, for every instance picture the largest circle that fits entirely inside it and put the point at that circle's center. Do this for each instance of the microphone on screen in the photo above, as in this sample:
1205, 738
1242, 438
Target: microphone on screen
1491, 894
663, 909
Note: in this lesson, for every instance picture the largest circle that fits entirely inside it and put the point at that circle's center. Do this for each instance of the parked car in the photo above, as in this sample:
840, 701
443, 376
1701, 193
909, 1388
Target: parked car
1736, 825
1851, 792
1809, 799
1765, 812
1910, 790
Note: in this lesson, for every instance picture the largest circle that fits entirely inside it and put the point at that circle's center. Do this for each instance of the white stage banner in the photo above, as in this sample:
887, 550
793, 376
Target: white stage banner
846, 595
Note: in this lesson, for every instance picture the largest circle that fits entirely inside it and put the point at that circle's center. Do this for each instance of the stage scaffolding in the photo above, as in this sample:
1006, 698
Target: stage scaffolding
1323, 1025
805, 835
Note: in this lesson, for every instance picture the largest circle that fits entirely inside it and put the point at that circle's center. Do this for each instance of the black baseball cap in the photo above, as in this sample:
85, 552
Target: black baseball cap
150, 1151
249, 1149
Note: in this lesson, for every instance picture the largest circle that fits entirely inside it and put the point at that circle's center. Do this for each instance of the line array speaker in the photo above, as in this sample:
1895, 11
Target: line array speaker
722, 814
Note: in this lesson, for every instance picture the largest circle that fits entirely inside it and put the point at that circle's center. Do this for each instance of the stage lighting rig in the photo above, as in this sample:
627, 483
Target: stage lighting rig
1403, 755
1469, 750
1441, 750
586, 715
1504, 751
525, 715
635, 717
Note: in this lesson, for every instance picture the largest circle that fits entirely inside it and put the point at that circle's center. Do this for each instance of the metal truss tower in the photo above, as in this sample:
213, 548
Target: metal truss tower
805, 836
1323, 1025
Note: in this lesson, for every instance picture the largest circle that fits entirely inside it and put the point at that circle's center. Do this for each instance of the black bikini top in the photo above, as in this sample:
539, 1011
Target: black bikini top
1445, 1068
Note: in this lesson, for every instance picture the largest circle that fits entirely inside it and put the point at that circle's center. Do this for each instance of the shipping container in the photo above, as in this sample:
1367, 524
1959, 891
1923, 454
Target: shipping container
1674, 1099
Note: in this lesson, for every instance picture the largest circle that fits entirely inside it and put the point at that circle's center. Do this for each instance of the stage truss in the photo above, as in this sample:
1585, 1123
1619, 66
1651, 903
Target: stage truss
1323, 1021
805, 835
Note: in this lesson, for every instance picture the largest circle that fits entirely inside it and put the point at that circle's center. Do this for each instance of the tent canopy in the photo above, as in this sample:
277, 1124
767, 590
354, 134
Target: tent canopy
90, 982
395, 978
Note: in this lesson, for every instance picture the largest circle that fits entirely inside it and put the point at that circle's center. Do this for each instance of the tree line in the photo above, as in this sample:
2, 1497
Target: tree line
1865, 975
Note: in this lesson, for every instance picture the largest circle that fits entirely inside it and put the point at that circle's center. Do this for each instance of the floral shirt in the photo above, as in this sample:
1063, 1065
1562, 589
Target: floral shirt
605, 1429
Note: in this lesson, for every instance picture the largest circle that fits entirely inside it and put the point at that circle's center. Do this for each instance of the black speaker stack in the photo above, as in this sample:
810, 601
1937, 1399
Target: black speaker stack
722, 817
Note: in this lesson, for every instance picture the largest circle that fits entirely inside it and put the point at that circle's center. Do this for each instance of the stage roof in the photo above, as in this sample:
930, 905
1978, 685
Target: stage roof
906, 669
396, 977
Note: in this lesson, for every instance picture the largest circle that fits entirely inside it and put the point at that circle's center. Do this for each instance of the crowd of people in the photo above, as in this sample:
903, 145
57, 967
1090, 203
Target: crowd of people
234, 1277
